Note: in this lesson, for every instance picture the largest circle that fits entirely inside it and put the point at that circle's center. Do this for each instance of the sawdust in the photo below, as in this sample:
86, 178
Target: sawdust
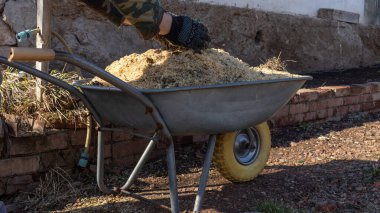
167, 69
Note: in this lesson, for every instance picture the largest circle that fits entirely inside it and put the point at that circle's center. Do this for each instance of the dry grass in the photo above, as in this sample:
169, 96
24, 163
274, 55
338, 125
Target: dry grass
55, 187
274, 63
57, 105
178, 68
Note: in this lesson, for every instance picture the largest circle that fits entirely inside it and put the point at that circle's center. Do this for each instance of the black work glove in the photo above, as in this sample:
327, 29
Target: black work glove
188, 33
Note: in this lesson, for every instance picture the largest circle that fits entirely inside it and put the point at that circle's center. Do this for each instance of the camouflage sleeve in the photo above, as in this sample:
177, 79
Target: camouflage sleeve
145, 15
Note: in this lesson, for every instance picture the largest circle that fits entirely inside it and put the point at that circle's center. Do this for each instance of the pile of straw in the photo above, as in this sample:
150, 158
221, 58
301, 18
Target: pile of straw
57, 107
178, 68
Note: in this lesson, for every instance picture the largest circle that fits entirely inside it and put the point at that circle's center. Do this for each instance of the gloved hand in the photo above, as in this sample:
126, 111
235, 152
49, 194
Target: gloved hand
188, 33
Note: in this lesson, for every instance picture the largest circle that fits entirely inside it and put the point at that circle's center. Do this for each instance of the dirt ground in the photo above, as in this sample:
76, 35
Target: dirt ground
328, 167
346, 77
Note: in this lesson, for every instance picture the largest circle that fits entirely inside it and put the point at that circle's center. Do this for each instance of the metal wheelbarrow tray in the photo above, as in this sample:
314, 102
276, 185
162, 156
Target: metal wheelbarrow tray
166, 112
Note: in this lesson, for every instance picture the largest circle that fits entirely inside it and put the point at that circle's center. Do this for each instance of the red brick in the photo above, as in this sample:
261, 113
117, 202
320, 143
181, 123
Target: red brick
357, 89
25, 145
157, 154
313, 106
339, 91
351, 100
322, 104
354, 108
54, 141
331, 112
335, 102
27, 186
307, 95
1, 128
342, 111
122, 136
321, 114
310, 116
298, 108
295, 119
139, 145
376, 96
107, 136
13, 189
60, 158
295, 99
368, 106
125, 161
50, 160
13, 128
365, 98
375, 86
18, 166
122, 149
2, 188
108, 151
19, 180
78, 137
284, 111
325, 94
282, 121
377, 104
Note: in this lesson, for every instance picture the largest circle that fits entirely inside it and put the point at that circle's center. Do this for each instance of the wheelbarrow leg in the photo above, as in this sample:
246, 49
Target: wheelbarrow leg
140, 164
170, 159
100, 165
205, 172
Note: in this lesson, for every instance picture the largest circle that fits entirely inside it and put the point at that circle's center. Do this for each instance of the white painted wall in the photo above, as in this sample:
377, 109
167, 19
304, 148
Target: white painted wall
302, 7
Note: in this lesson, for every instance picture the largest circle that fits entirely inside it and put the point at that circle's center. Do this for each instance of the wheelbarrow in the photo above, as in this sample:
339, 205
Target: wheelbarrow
233, 114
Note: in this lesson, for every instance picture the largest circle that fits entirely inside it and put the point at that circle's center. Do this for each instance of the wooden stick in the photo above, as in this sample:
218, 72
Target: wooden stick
44, 8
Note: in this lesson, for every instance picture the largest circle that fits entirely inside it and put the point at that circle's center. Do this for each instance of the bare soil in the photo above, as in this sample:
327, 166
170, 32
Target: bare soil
328, 167
346, 77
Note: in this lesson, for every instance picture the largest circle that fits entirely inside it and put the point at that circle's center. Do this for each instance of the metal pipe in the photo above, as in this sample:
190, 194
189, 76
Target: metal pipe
55, 81
140, 164
170, 160
205, 172
93, 69
100, 165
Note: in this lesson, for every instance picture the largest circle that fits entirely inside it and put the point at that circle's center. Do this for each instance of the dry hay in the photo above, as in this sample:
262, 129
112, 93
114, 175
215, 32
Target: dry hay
57, 107
178, 68
55, 187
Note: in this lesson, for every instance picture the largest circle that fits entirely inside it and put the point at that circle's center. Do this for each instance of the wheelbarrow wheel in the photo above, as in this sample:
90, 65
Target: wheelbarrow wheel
242, 155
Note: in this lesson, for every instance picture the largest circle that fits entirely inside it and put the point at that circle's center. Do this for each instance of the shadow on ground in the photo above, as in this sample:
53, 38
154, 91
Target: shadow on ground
347, 186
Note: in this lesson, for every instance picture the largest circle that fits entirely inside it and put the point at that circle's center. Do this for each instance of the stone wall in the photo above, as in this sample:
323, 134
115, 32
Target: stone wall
310, 44
86, 32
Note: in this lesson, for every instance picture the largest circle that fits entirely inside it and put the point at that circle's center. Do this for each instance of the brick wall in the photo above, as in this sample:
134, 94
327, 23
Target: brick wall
24, 158
329, 103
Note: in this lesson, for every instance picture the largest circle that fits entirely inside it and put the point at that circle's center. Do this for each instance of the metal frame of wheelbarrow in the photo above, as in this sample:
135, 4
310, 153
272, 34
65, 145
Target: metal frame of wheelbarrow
162, 132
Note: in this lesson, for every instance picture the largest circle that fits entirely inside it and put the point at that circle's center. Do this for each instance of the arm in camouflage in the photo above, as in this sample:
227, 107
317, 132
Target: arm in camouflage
145, 15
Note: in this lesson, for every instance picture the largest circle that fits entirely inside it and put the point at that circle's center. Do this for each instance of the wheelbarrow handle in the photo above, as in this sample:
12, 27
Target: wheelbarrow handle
31, 54
55, 81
